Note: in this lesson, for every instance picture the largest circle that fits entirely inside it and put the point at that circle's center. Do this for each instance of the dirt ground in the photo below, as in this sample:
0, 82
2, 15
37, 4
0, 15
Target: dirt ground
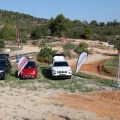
103, 104
46, 104
43, 104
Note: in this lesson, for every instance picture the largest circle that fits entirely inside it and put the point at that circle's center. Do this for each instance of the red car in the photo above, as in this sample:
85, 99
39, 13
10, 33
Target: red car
29, 71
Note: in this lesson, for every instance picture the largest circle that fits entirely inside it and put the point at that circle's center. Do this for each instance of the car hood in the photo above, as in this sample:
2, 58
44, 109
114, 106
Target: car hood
29, 70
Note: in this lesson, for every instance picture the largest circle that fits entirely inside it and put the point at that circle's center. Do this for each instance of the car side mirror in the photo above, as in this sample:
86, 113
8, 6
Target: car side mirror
50, 65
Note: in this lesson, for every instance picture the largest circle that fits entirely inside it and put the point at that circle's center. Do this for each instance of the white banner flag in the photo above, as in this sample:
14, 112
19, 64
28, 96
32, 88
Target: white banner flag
83, 56
21, 64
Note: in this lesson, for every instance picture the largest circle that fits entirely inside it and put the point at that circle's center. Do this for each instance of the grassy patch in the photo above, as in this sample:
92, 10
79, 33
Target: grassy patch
106, 82
82, 82
112, 62
110, 67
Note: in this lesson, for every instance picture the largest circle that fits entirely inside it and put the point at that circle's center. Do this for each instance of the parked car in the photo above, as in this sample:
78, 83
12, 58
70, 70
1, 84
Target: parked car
60, 67
5, 66
30, 70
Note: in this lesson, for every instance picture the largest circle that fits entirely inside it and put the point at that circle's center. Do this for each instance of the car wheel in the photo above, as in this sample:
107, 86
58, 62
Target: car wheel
5, 76
19, 77
53, 77
69, 77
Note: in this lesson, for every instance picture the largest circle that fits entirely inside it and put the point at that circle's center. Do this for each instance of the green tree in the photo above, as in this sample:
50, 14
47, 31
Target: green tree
38, 32
88, 33
94, 22
7, 32
59, 25
102, 24
51, 25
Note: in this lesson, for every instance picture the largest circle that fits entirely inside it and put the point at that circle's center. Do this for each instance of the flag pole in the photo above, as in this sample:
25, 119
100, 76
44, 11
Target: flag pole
19, 41
117, 85
17, 35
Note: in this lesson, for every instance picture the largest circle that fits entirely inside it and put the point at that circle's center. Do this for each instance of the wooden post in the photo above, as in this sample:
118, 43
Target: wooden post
118, 80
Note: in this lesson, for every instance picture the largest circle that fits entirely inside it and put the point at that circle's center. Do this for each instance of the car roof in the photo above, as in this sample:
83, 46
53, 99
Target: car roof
60, 61
58, 55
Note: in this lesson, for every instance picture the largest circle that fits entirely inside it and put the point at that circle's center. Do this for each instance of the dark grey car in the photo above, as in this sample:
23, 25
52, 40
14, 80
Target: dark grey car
5, 66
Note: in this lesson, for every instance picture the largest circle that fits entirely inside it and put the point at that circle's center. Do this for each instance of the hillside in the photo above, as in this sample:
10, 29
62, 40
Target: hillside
77, 29
19, 18
25, 22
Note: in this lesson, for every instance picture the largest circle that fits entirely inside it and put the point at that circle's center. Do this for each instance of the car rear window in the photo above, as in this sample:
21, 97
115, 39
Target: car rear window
30, 64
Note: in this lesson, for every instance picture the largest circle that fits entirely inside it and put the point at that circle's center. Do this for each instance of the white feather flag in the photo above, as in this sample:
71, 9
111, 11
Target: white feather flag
83, 56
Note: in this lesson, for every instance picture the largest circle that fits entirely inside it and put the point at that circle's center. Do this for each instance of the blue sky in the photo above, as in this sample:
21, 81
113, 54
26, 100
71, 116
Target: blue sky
99, 10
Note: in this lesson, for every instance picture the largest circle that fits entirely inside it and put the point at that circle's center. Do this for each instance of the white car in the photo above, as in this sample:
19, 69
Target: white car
60, 67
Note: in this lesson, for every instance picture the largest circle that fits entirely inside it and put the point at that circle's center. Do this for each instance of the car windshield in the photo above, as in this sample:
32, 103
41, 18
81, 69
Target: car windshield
30, 64
2, 63
58, 64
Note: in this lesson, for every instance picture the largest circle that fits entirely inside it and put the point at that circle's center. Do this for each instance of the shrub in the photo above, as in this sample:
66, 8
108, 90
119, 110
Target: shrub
34, 43
45, 55
68, 47
83, 46
43, 42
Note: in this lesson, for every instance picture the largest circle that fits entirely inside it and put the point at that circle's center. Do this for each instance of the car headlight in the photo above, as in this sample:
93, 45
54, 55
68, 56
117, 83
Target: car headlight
34, 72
1, 71
70, 71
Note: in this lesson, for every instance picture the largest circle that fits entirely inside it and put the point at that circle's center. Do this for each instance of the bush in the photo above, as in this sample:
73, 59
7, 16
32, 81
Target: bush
68, 47
83, 46
34, 43
43, 42
46, 55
